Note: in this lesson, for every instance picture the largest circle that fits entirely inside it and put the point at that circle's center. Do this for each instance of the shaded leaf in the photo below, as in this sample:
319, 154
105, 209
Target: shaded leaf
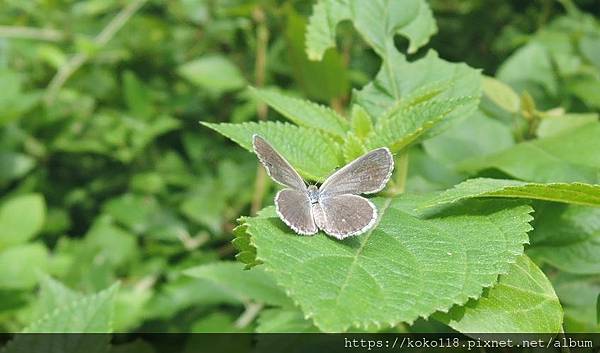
573, 156
282, 320
331, 72
476, 136
567, 237
254, 284
14, 165
523, 301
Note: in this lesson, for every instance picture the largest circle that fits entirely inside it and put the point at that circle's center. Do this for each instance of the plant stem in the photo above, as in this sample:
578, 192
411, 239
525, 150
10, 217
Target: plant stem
400, 174
46, 34
77, 60
252, 310
260, 64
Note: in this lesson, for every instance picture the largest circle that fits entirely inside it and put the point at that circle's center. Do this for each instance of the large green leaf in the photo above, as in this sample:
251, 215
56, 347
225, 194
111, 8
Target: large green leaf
406, 267
377, 21
523, 300
579, 296
21, 264
567, 237
573, 156
322, 80
573, 193
304, 113
313, 154
476, 136
255, 284
399, 79
21, 218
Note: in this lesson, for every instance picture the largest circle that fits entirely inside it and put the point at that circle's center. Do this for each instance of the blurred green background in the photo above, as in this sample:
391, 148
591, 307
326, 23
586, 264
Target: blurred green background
106, 175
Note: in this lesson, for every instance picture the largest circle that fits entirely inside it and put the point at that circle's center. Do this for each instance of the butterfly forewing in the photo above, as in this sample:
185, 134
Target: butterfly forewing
345, 215
294, 208
278, 168
365, 175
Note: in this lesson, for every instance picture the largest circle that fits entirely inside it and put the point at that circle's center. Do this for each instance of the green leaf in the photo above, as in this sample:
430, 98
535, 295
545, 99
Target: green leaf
21, 265
361, 122
476, 136
304, 113
254, 284
53, 295
406, 126
283, 320
353, 148
89, 314
14, 165
313, 154
406, 267
572, 156
246, 251
573, 193
553, 125
523, 300
501, 94
21, 218
567, 237
579, 296
429, 78
529, 65
137, 96
214, 73
332, 76
377, 21
86, 315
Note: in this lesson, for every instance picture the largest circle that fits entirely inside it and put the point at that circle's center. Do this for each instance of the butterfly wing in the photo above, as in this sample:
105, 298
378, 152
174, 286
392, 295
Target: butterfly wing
345, 215
277, 167
365, 175
294, 209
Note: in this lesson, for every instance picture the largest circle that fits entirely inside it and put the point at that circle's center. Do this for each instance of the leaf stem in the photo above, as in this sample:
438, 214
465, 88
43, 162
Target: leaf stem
252, 310
77, 60
260, 64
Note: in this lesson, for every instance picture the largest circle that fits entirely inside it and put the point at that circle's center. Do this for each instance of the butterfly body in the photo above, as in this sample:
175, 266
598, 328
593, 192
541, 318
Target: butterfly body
335, 207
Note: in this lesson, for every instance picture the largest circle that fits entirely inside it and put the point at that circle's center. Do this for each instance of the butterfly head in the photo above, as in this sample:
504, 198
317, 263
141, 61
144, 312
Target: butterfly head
313, 193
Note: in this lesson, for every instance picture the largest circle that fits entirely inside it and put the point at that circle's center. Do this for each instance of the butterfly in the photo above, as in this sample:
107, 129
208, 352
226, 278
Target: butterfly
335, 207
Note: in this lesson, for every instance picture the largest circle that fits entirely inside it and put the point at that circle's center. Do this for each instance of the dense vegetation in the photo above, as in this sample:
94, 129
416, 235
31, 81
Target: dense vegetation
121, 212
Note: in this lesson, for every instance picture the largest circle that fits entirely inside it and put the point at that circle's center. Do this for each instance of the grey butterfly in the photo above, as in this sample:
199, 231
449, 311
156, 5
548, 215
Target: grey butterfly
335, 206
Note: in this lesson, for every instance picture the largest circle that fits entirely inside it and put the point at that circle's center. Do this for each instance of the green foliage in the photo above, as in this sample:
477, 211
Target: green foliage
387, 276
574, 193
523, 292
106, 176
